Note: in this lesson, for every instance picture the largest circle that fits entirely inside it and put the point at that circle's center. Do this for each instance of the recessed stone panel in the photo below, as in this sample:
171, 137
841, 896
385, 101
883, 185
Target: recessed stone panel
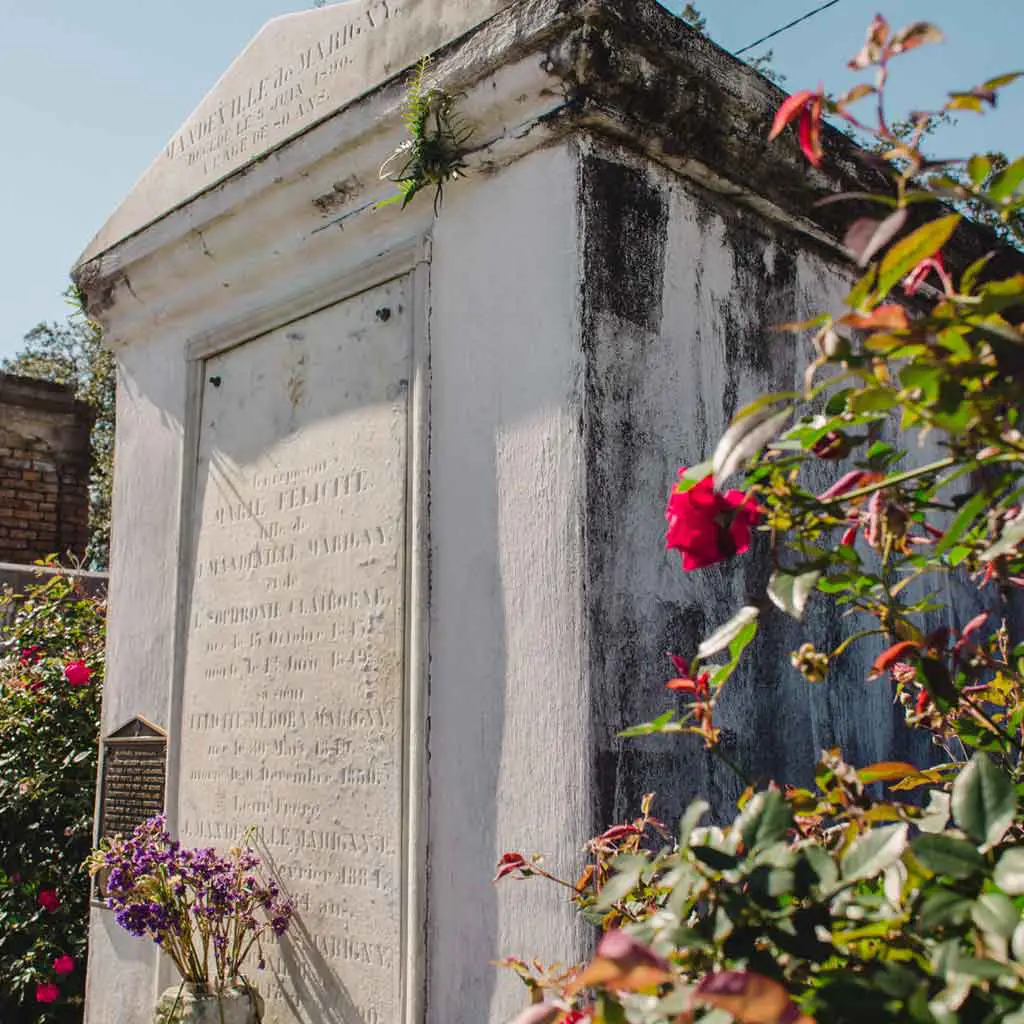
292, 719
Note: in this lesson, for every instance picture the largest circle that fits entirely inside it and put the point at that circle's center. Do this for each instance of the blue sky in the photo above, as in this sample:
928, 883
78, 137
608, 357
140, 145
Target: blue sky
91, 92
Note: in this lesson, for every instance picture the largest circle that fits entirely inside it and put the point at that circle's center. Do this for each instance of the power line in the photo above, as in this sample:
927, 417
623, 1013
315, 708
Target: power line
785, 28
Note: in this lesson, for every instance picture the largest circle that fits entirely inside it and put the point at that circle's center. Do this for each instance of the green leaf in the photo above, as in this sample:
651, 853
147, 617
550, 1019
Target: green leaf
994, 913
822, 864
745, 438
627, 870
724, 635
941, 909
874, 400
1007, 544
760, 404
1009, 873
935, 815
741, 641
717, 860
664, 723
836, 405
789, 593
948, 855
873, 852
908, 252
1017, 943
928, 379
693, 475
984, 801
1001, 80
979, 168
862, 289
1007, 181
968, 281
691, 819
765, 819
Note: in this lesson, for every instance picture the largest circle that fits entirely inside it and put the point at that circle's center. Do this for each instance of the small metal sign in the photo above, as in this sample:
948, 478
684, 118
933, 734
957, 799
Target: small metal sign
133, 778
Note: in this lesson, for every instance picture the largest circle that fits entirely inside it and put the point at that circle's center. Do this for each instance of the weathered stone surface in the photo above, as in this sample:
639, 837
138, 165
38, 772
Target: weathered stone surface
292, 717
299, 69
181, 1005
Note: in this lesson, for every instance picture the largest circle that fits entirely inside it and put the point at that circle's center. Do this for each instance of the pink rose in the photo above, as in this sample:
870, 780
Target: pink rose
48, 899
64, 964
77, 673
47, 992
707, 527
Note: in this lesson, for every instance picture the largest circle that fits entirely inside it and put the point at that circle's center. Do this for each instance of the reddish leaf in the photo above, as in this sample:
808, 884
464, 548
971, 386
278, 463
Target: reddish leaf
789, 111
618, 832
750, 998
849, 482
509, 864
810, 132
539, 1013
974, 625
878, 33
888, 658
884, 318
583, 882
867, 236
887, 771
623, 965
857, 92
915, 35
679, 664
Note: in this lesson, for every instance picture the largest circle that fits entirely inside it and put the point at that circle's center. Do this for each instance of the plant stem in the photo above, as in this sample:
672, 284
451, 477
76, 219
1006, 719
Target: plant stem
899, 478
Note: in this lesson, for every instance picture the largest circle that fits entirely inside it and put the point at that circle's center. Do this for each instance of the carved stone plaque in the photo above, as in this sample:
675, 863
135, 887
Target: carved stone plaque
294, 683
299, 68
133, 777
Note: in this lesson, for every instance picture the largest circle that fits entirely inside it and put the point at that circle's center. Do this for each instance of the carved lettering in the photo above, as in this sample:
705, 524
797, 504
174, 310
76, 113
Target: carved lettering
239, 121
294, 668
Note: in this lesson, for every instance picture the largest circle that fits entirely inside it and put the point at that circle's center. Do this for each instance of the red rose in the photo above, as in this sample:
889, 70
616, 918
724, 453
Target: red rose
48, 899
64, 964
29, 655
47, 992
708, 527
77, 673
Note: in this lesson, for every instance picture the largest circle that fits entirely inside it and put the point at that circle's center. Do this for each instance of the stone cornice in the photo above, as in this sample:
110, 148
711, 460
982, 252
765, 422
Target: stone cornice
537, 72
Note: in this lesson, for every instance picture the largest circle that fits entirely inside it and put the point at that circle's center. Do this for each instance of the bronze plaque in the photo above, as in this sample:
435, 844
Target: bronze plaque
133, 779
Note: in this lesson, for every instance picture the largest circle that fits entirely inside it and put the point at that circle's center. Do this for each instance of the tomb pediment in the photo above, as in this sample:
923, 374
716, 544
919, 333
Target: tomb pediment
299, 69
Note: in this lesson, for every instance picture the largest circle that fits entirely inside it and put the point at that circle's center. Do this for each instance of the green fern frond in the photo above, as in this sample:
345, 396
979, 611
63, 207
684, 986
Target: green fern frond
433, 153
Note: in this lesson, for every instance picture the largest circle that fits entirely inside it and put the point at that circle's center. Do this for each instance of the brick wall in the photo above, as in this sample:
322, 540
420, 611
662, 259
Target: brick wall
44, 471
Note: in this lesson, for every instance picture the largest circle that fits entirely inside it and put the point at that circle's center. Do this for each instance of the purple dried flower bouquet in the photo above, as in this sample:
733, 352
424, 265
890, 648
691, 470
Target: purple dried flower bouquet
206, 912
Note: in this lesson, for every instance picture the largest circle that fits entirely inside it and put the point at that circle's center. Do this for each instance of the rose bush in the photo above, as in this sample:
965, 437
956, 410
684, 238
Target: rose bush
51, 670
892, 891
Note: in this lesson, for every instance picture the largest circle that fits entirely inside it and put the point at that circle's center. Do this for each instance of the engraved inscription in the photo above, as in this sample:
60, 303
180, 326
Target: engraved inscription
292, 717
300, 69
290, 95
132, 785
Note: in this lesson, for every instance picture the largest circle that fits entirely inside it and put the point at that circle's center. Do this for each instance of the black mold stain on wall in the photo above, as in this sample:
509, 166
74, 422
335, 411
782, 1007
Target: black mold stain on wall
635, 434
625, 232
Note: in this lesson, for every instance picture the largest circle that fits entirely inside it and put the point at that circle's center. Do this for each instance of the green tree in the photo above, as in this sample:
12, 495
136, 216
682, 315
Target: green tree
71, 352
